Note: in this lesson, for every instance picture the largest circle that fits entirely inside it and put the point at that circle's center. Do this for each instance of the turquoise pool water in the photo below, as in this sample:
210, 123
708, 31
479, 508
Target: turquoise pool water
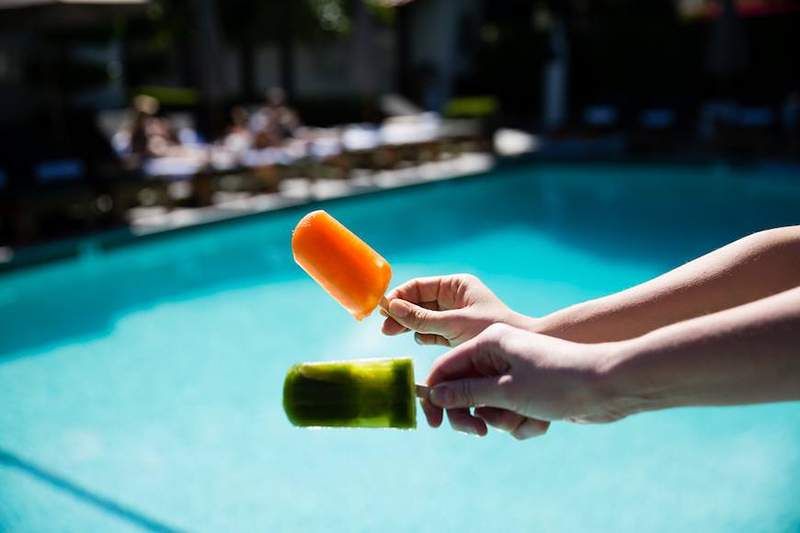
141, 387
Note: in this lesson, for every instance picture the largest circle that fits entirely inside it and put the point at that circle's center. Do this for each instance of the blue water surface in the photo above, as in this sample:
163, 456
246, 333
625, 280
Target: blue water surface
141, 387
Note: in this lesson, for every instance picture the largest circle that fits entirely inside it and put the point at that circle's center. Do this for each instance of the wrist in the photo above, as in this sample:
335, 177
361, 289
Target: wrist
524, 322
627, 383
568, 324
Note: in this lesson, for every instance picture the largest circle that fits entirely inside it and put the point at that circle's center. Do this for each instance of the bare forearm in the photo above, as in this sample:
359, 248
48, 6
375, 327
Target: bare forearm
749, 354
757, 266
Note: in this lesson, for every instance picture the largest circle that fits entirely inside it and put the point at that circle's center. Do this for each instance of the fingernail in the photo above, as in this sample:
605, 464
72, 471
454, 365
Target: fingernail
417, 339
441, 395
399, 308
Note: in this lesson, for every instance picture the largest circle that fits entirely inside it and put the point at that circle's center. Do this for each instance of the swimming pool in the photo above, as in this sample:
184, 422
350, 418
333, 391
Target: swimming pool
141, 386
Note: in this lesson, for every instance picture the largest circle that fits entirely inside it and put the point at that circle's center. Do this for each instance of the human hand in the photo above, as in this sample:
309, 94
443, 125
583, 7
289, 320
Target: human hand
445, 310
518, 382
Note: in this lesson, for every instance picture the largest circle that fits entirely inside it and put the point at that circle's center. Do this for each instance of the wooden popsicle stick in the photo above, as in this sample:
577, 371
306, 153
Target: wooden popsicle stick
384, 303
422, 391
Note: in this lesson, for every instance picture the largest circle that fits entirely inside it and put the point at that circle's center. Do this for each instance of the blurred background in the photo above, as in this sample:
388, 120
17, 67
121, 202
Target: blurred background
155, 156
114, 113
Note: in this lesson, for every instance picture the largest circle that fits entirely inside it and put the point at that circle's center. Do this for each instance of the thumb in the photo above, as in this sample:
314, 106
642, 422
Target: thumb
470, 392
414, 317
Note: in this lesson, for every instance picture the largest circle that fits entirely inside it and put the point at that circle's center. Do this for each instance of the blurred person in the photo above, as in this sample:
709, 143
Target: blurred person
723, 329
284, 118
238, 137
267, 137
238, 120
144, 109
276, 122
150, 135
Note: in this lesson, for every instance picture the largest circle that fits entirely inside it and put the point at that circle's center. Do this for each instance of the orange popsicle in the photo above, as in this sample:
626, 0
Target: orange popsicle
344, 265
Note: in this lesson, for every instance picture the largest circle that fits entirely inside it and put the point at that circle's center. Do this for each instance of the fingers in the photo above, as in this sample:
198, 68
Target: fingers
393, 327
518, 426
463, 420
418, 290
423, 305
530, 428
415, 317
500, 418
430, 339
433, 414
469, 392
445, 291
475, 358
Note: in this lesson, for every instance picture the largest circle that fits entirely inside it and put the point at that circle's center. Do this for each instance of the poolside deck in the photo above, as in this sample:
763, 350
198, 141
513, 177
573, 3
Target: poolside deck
292, 192
300, 191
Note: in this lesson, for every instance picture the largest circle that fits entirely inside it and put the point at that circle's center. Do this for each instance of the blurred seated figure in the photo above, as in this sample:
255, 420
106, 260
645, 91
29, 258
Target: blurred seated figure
144, 110
275, 122
284, 118
150, 135
238, 137
267, 137
154, 144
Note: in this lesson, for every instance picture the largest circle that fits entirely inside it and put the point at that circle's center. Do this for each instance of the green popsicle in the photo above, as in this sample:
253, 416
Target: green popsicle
366, 393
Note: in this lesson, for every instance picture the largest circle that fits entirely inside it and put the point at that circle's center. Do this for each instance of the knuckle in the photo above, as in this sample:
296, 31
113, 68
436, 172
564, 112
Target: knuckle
393, 293
518, 435
468, 278
517, 431
505, 387
497, 331
417, 317
466, 392
529, 429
